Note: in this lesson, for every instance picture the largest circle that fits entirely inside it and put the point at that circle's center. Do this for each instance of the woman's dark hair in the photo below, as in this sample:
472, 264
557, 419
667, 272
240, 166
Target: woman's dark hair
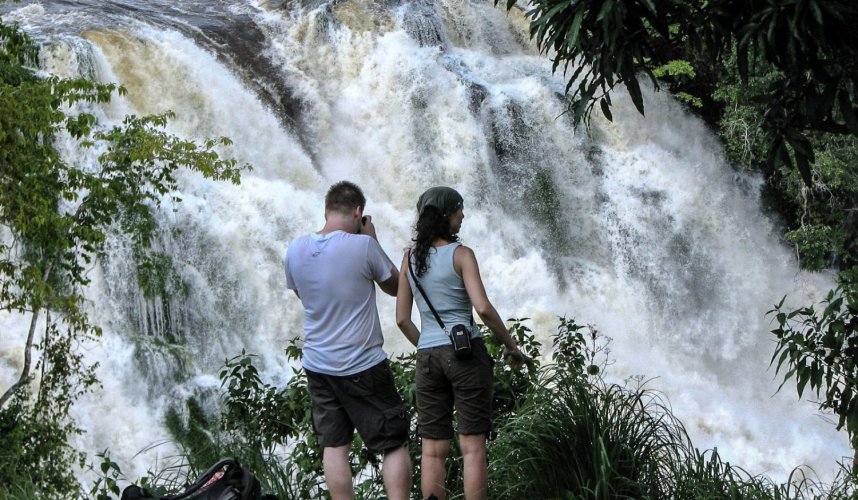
431, 225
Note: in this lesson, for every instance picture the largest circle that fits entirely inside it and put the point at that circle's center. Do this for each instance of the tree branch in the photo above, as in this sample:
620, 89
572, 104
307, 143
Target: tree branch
28, 357
25, 372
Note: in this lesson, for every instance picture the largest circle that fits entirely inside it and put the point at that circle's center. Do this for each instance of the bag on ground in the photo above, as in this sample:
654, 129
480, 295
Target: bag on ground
225, 480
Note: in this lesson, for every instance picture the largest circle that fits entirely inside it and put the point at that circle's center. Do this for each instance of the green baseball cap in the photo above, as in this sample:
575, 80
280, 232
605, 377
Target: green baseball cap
445, 199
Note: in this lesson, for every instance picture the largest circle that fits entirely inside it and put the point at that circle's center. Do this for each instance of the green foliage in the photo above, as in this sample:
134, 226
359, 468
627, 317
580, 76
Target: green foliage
580, 441
811, 44
55, 217
108, 474
678, 73
156, 275
821, 219
578, 437
675, 68
580, 356
193, 432
17, 51
706, 475
815, 244
825, 214
849, 281
741, 123
259, 413
510, 386
607, 43
29, 447
819, 348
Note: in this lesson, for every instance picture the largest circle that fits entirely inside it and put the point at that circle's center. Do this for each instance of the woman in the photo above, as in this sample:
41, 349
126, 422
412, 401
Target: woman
449, 276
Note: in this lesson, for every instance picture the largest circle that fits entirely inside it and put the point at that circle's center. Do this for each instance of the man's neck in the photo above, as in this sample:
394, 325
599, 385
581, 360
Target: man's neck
335, 223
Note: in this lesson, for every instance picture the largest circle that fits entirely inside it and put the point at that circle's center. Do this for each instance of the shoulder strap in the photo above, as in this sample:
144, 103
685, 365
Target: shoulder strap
423, 293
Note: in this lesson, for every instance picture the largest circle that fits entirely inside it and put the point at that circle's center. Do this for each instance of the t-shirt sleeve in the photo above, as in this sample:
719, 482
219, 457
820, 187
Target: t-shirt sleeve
290, 281
379, 264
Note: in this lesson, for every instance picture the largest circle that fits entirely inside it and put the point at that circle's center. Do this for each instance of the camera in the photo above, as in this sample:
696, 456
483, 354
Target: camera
460, 335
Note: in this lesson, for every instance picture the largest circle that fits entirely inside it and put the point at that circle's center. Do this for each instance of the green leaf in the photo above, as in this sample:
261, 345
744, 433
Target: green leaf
838, 326
802, 378
833, 307
575, 29
817, 13
816, 377
742, 62
635, 93
803, 152
848, 112
605, 10
781, 360
606, 109
803, 165
553, 11
852, 418
651, 6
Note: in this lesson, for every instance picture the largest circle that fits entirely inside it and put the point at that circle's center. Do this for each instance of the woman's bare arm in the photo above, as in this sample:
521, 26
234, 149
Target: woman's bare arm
465, 263
404, 300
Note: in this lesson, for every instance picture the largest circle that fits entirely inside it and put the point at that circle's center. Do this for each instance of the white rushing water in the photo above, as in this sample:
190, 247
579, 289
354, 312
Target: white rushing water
640, 229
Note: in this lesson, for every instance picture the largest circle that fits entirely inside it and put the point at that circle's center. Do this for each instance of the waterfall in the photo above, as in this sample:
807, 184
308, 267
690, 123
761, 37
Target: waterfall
639, 228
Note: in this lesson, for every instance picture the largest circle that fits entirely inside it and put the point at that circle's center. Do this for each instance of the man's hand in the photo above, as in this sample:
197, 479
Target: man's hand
367, 227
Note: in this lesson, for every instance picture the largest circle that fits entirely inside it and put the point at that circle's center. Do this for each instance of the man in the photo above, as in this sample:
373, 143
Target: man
334, 272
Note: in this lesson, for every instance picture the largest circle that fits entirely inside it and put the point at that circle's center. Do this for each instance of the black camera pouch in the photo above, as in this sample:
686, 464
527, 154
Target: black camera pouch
460, 336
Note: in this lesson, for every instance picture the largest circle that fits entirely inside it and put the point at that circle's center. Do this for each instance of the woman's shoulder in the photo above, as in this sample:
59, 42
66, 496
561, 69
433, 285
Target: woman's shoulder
461, 247
463, 252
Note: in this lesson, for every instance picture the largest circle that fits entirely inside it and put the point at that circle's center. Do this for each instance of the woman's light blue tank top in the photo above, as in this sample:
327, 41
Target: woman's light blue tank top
446, 291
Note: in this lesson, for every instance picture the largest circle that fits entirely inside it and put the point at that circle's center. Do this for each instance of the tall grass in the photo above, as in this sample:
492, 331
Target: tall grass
586, 439
577, 440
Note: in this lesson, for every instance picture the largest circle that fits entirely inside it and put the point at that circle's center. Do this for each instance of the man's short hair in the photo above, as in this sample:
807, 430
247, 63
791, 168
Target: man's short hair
344, 197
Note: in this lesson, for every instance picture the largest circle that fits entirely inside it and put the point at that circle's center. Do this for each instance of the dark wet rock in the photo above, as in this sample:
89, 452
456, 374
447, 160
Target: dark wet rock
477, 92
423, 24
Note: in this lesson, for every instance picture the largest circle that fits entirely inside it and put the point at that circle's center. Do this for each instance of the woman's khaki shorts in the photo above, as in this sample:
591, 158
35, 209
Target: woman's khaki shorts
445, 382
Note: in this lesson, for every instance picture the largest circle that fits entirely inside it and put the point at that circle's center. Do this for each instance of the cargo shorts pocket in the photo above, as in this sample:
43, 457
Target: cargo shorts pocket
360, 385
395, 425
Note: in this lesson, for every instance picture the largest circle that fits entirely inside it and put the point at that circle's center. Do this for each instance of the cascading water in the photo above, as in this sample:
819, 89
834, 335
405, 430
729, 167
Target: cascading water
640, 228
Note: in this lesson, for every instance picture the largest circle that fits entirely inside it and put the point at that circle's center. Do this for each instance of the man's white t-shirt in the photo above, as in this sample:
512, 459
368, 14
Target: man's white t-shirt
335, 275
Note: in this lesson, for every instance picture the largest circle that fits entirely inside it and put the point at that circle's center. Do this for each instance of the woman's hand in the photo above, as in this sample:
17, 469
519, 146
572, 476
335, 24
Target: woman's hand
516, 357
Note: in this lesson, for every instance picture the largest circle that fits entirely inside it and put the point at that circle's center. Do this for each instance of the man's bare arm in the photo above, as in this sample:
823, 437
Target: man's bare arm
391, 285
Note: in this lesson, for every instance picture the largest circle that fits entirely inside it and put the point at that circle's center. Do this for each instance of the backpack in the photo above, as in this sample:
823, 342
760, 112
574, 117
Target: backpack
225, 480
